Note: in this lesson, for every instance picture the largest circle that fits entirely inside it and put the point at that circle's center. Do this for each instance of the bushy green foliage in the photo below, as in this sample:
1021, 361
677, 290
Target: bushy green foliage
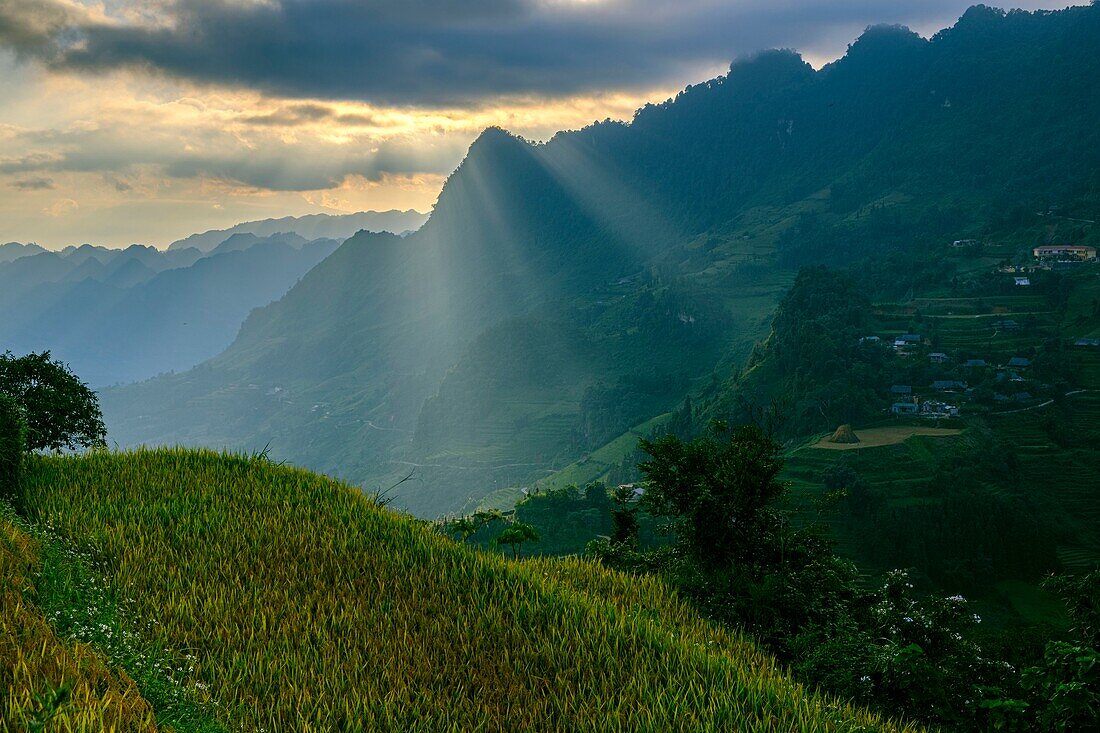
61, 412
738, 557
735, 552
1064, 689
13, 443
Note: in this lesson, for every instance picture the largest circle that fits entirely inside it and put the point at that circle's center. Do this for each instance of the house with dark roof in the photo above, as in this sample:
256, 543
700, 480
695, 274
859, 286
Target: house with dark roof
946, 385
975, 363
907, 342
938, 357
901, 389
1019, 362
1088, 343
905, 408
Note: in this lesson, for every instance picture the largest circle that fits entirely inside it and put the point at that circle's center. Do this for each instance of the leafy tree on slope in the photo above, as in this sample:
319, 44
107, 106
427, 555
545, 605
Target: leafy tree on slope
61, 412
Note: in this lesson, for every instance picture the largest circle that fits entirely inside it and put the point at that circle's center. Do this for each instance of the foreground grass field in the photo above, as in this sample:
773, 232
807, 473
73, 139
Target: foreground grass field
49, 683
295, 604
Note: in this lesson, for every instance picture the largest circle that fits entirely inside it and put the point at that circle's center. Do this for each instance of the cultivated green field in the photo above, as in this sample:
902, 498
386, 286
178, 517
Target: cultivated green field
294, 603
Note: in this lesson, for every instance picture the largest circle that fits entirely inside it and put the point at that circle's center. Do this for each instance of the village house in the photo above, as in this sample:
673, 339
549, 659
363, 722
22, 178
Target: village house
870, 340
960, 243
1093, 343
1019, 362
1007, 325
905, 408
975, 363
934, 409
1023, 281
1071, 252
947, 385
901, 389
937, 357
907, 341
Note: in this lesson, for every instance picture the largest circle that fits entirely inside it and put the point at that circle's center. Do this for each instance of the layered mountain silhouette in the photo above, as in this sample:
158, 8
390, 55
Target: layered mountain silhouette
311, 226
125, 315
592, 279
15, 250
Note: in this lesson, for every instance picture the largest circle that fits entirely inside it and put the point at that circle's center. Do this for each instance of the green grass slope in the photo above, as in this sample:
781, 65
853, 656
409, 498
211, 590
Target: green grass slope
48, 683
298, 604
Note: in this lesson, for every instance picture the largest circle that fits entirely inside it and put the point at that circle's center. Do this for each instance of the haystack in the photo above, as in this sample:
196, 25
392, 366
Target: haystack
844, 434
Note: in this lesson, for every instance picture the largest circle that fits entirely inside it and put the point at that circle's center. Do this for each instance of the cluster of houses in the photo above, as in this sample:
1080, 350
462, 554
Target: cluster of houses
905, 402
1051, 253
904, 343
1050, 257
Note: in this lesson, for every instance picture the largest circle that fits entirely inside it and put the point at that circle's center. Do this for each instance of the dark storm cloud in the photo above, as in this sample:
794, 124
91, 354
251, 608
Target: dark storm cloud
303, 114
34, 184
429, 52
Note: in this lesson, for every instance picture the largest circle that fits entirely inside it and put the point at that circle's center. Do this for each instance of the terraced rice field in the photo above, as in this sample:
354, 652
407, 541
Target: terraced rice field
299, 605
875, 437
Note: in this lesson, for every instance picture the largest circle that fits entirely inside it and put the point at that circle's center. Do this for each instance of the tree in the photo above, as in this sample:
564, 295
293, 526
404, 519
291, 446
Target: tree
13, 435
736, 553
624, 518
467, 526
718, 493
515, 535
61, 412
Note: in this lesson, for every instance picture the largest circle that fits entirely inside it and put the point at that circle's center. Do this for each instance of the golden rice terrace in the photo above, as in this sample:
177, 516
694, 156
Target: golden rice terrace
280, 600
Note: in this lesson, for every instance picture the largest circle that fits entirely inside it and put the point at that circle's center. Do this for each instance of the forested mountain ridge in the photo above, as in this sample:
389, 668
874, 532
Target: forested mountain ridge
687, 221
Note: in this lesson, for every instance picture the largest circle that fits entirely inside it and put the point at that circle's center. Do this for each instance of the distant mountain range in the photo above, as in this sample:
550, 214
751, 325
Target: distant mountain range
312, 226
126, 315
15, 250
563, 292
122, 315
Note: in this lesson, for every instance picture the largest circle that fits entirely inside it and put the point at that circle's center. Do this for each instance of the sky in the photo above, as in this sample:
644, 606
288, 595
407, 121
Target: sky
142, 121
